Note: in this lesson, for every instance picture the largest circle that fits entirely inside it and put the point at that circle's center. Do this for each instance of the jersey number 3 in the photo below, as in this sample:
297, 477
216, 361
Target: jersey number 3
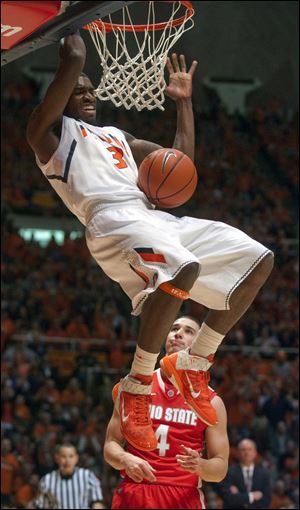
118, 156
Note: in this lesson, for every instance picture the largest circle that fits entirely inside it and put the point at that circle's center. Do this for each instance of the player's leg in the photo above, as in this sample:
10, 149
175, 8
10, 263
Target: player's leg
160, 310
157, 316
233, 269
143, 257
222, 321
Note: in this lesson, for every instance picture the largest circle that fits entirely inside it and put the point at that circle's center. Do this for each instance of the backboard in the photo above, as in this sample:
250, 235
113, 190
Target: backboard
30, 25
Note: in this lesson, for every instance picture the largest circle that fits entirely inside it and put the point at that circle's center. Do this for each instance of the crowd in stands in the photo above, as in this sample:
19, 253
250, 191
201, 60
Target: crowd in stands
54, 295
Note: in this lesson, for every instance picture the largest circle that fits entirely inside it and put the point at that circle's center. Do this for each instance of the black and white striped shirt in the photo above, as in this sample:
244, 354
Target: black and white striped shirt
79, 490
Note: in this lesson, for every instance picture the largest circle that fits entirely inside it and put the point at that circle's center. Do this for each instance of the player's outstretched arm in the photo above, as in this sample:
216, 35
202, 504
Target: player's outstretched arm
42, 140
180, 89
116, 455
213, 469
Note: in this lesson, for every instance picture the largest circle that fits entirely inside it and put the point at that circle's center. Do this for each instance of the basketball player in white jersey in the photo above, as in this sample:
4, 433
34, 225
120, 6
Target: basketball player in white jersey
159, 260
170, 476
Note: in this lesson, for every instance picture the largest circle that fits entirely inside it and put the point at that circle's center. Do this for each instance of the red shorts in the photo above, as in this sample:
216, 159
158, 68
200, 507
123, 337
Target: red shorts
143, 495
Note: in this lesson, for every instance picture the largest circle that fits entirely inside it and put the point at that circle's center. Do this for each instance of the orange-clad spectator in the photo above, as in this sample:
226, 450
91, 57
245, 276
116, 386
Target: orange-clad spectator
21, 410
279, 497
102, 329
92, 435
54, 304
56, 329
72, 394
25, 448
19, 353
44, 198
13, 244
291, 463
44, 426
27, 492
116, 355
263, 368
241, 411
213, 500
9, 469
77, 328
244, 182
7, 414
23, 365
90, 427
63, 302
8, 328
17, 198
76, 423
6, 368
7, 476
48, 392
68, 247
23, 475
39, 292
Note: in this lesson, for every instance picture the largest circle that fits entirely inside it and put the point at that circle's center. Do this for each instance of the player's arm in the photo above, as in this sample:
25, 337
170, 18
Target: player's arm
116, 455
180, 89
47, 114
140, 148
214, 468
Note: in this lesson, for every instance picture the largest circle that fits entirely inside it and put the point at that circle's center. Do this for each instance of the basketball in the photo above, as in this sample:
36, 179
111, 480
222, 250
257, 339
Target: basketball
168, 177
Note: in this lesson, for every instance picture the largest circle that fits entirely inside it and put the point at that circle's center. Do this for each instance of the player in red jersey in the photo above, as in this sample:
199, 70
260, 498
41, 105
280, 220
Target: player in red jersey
171, 475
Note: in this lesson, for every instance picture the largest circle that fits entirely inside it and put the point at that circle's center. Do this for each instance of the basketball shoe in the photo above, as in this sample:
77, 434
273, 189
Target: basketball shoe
189, 375
132, 397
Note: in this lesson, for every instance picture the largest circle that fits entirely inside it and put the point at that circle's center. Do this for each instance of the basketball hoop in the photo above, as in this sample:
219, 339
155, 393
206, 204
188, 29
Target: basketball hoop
133, 56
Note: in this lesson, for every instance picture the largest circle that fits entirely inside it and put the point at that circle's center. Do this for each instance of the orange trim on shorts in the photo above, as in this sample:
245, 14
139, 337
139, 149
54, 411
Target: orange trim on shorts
153, 257
174, 291
142, 275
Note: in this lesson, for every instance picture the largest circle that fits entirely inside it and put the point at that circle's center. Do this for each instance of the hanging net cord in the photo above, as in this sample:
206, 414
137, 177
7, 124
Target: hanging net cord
135, 80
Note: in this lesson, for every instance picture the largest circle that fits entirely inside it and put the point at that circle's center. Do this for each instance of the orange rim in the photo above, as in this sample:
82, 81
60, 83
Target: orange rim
140, 28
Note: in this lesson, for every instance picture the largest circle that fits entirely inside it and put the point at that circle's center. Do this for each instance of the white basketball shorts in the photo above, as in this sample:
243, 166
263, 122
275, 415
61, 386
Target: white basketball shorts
141, 248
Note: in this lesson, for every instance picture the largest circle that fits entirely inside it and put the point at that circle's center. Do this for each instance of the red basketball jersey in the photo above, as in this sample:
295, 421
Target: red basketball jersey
175, 424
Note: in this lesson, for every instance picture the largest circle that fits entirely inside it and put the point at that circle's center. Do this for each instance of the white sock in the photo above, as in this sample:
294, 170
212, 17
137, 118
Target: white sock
143, 362
206, 342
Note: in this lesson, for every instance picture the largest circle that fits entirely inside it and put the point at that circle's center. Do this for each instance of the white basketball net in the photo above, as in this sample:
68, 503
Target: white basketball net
133, 62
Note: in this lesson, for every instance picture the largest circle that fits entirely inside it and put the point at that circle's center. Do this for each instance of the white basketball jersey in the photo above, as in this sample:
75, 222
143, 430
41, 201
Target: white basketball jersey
91, 166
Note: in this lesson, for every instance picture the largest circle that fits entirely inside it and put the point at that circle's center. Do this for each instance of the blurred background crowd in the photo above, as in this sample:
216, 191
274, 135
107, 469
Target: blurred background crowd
66, 330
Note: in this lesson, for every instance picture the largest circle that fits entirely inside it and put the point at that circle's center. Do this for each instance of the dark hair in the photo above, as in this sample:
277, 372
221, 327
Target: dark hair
64, 445
84, 75
191, 317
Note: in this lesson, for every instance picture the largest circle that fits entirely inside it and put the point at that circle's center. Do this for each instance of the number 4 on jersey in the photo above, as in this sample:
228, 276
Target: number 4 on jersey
162, 445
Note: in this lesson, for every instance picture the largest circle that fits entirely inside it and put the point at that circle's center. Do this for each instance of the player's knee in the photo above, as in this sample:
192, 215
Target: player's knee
187, 276
262, 270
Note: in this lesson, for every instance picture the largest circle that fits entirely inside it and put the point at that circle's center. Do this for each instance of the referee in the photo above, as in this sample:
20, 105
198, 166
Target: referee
69, 486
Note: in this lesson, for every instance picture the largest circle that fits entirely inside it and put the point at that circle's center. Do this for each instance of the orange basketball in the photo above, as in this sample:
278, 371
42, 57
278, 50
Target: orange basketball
168, 177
